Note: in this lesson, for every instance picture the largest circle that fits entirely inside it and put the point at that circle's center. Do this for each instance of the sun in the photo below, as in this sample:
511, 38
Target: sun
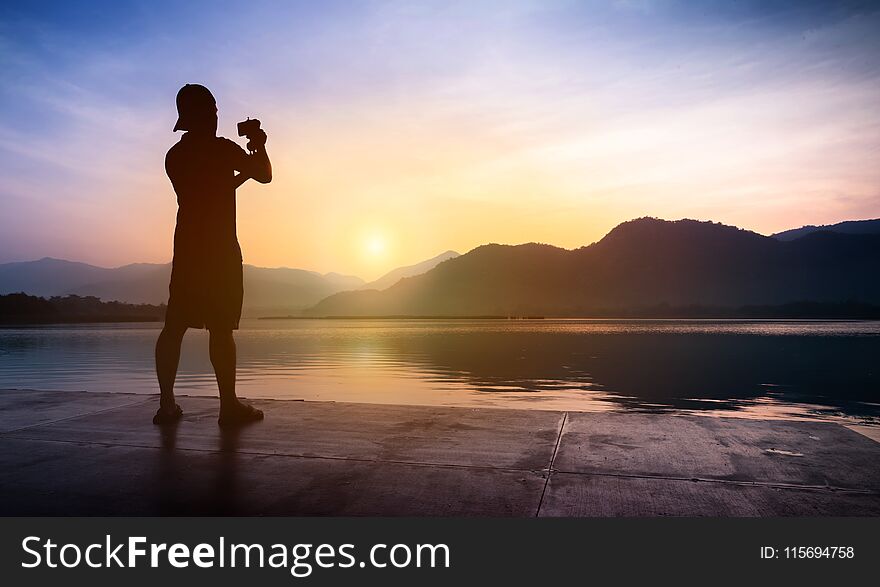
376, 245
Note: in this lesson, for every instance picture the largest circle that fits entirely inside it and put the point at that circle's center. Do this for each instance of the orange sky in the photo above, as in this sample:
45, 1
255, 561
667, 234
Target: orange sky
398, 132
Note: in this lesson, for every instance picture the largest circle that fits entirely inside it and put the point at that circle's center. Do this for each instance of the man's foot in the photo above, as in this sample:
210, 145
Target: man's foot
238, 414
167, 415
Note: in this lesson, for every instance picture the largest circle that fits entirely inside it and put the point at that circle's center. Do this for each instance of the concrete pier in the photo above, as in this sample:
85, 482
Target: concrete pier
78, 453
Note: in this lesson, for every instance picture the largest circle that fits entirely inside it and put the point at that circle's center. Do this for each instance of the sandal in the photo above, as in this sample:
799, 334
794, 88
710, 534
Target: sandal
239, 416
164, 416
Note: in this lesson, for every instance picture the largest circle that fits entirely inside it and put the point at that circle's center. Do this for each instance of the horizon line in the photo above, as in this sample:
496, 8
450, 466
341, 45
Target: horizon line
449, 250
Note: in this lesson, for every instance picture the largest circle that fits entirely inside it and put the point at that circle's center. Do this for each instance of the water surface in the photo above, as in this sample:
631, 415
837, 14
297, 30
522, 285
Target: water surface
763, 369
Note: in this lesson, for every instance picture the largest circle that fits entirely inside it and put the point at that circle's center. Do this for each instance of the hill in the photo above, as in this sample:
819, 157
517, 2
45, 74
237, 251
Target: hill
396, 275
267, 290
642, 267
848, 227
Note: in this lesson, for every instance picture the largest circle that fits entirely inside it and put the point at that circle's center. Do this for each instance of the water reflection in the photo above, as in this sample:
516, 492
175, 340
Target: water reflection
822, 370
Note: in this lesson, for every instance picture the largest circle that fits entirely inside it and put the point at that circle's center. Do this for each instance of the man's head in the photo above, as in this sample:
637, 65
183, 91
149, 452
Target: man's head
196, 109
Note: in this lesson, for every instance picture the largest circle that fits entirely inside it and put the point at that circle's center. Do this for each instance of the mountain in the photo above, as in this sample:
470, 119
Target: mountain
48, 276
848, 227
282, 290
138, 283
267, 290
639, 267
396, 275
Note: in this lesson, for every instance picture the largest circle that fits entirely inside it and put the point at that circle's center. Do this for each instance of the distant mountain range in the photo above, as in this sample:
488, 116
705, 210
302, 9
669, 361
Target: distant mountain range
275, 290
645, 267
268, 291
848, 227
396, 275
642, 267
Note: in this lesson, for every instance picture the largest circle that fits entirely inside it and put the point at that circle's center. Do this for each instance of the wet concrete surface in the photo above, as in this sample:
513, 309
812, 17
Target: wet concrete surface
78, 453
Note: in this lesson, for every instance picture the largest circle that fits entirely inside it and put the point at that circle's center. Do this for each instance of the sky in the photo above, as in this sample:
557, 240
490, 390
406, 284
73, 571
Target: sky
399, 130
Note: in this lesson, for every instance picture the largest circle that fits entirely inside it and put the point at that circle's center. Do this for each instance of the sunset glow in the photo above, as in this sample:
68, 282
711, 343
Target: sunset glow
450, 124
375, 246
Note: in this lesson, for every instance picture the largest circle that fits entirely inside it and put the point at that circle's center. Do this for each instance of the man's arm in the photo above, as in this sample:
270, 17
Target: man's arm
259, 158
255, 165
239, 179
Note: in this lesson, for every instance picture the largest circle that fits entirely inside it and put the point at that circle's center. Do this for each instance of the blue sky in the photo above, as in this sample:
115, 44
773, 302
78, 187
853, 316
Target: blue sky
434, 125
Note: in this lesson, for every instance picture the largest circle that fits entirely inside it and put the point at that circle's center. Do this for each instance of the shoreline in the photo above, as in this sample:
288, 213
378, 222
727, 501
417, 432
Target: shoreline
858, 424
597, 319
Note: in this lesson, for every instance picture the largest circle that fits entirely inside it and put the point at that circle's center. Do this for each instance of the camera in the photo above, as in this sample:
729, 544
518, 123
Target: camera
250, 128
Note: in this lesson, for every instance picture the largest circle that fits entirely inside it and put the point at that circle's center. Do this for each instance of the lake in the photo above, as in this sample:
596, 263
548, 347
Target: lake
824, 370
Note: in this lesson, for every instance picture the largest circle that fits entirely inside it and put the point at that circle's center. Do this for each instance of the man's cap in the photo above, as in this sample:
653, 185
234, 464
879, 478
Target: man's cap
193, 100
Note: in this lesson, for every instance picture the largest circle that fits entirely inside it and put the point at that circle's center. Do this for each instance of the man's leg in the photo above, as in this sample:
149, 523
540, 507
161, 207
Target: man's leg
222, 350
167, 359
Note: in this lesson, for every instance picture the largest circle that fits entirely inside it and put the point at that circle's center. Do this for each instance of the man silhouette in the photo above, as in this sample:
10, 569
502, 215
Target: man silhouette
206, 277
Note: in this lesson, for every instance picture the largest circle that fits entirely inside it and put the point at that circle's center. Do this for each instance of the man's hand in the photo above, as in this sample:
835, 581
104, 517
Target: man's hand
258, 167
257, 141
